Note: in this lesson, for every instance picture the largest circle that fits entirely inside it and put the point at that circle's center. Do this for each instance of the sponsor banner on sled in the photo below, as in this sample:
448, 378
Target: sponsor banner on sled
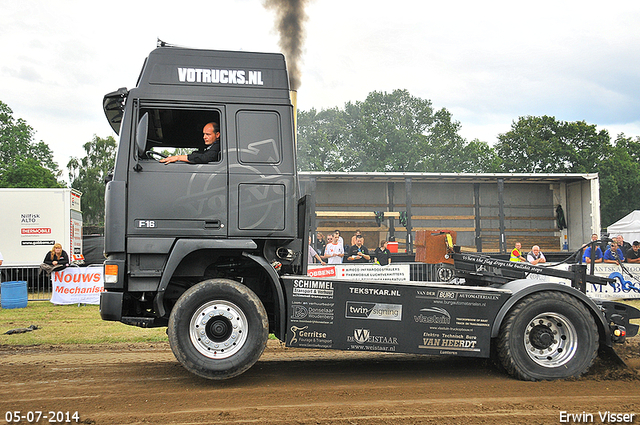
626, 280
361, 272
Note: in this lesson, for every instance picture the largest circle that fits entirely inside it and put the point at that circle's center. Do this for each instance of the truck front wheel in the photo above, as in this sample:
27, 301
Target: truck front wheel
548, 335
218, 329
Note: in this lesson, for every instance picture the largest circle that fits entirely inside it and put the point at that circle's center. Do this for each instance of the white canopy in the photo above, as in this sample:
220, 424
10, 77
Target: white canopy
628, 227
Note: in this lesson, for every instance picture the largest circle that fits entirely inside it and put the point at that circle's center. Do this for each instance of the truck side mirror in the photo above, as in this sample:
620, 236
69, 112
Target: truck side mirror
109, 176
141, 135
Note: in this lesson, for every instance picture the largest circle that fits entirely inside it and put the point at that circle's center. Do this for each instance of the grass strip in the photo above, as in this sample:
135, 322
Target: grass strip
69, 324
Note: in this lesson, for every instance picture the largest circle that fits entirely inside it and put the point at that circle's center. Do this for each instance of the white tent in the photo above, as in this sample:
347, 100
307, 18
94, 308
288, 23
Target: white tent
628, 227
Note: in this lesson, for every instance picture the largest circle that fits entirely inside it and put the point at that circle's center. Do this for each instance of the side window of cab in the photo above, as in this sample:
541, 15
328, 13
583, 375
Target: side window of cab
174, 131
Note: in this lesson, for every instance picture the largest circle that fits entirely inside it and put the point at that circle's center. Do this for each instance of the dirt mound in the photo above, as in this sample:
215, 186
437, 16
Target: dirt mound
623, 365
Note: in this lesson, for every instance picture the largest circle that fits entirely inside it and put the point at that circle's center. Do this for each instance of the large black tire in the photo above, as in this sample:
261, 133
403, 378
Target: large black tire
548, 335
218, 329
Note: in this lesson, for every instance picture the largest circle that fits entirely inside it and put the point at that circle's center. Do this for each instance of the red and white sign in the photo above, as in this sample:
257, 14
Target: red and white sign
372, 272
75, 201
77, 285
36, 231
329, 271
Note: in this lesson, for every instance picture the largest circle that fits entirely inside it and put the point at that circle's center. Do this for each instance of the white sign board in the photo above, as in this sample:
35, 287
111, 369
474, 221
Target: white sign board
626, 285
76, 239
34, 219
77, 285
359, 272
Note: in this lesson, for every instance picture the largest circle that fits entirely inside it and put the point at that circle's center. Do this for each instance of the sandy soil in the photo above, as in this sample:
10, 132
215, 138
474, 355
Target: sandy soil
144, 384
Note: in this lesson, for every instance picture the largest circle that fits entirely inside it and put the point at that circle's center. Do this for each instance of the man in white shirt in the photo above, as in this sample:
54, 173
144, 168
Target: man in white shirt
334, 251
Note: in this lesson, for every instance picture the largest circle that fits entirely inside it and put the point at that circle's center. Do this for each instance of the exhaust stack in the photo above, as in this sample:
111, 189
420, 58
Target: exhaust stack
294, 101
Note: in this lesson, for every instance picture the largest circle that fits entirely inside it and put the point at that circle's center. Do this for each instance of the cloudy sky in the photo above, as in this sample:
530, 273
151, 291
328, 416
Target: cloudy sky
487, 62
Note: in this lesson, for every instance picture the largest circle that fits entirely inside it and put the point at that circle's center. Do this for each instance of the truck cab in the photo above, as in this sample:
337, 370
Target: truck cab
170, 226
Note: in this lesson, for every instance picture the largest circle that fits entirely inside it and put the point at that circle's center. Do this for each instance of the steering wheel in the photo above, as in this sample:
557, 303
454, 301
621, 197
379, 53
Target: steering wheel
153, 154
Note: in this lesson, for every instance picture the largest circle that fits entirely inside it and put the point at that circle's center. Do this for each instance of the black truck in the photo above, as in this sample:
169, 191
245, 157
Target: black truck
217, 251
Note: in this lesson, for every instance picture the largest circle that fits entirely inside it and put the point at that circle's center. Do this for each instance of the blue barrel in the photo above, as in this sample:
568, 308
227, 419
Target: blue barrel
14, 294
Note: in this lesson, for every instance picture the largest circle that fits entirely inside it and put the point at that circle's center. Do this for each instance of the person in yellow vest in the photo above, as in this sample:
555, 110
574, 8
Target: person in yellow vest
516, 254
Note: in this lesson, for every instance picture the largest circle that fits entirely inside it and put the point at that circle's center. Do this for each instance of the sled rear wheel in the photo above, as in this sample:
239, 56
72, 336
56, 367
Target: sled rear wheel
548, 335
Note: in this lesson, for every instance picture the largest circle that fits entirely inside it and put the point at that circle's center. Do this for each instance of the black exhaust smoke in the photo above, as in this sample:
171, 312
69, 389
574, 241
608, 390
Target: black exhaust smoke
290, 18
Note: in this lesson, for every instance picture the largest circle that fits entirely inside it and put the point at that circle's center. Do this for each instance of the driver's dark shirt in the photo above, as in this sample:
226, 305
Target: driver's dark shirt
205, 154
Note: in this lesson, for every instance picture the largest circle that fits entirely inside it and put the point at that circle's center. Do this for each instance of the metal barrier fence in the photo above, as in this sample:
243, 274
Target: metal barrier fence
38, 284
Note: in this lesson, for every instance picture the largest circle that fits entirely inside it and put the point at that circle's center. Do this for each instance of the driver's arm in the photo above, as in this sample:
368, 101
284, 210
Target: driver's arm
174, 158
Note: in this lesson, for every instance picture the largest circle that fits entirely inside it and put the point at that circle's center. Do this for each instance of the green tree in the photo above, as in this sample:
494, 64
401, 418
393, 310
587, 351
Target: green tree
385, 132
24, 162
88, 176
619, 180
546, 145
28, 172
479, 157
320, 137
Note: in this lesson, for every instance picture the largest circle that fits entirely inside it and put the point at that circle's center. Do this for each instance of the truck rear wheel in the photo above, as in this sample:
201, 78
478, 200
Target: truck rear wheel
218, 329
548, 335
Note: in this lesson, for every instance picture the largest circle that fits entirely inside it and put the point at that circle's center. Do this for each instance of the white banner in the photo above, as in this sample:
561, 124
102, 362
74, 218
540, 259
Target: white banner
359, 272
77, 285
627, 284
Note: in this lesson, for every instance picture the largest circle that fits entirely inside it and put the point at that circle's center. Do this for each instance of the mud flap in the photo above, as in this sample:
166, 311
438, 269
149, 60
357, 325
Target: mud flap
618, 316
609, 355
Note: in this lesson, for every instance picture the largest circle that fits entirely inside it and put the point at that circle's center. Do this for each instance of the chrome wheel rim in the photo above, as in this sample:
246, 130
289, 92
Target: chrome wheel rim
218, 329
550, 340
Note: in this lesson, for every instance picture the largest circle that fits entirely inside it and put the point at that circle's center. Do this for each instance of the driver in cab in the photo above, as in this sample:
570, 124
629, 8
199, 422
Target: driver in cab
208, 153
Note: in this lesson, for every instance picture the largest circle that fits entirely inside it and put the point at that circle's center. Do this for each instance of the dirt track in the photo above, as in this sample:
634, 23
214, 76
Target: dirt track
143, 383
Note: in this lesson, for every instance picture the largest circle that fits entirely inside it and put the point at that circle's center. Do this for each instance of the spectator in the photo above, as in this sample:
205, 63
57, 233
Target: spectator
516, 254
535, 256
586, 257
321, 243
56, 259
624, 246
329, 240
614, 254
631, 256
382, 255
604, 241
313, 254
333, 252
338, 238
353, 238
358, 253
340, 241
1, 259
